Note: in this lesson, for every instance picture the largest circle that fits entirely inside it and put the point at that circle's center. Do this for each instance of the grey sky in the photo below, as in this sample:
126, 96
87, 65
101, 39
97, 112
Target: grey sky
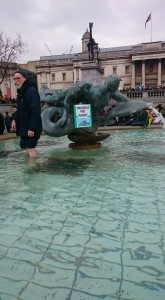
60, 24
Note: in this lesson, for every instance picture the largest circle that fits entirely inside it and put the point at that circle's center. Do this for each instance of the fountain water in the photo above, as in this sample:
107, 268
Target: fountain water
84, 224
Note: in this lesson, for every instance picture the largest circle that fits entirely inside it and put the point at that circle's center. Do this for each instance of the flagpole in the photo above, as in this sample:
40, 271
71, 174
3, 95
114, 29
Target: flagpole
151, 27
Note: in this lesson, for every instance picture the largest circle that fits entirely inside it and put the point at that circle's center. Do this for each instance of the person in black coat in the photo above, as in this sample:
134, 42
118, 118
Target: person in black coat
7, 121
29, 123
2, 124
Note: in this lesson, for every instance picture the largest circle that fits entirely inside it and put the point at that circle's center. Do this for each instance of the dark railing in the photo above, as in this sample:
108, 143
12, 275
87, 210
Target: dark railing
156, 93
135, 95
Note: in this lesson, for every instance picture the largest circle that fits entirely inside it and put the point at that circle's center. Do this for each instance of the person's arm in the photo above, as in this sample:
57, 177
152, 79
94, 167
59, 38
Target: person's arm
119, 97
13, 125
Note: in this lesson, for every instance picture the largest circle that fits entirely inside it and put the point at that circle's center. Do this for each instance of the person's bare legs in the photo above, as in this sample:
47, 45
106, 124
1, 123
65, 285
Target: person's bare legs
32, 152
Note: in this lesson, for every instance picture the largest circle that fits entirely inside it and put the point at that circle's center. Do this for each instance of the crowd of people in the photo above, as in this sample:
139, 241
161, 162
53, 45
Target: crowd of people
7, 100
142, 88
144, 118
149, 116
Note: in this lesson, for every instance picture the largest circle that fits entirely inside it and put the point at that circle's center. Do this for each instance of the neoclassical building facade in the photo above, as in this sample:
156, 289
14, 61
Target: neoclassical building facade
142, 64
137, 65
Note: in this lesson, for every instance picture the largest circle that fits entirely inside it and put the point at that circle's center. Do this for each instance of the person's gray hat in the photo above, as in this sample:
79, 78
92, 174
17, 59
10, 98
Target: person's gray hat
30, 76
21, 71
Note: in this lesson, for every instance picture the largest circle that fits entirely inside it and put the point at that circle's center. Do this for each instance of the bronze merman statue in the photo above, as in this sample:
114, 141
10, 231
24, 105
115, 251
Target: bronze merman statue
58, 118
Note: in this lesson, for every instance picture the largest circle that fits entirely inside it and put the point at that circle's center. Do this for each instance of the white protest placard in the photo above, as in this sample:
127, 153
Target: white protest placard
82, 115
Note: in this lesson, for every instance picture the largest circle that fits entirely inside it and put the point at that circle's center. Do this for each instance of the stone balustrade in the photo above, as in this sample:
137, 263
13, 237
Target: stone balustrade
157, 96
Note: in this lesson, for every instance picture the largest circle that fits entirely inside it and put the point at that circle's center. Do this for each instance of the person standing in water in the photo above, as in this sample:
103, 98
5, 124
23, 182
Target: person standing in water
29, 123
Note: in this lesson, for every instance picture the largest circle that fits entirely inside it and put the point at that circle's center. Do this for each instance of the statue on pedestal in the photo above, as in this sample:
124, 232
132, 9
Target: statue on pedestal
93, 48
58, 117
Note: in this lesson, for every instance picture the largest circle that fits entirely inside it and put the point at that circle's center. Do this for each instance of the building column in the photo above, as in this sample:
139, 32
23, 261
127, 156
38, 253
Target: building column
143, 74
39, 80
159, 72
13, 87
133, 74
76, 73
75, 77
48, 79
80, 74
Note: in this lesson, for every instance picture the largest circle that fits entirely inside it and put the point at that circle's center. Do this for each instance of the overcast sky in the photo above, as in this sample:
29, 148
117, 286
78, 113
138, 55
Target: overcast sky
61, 23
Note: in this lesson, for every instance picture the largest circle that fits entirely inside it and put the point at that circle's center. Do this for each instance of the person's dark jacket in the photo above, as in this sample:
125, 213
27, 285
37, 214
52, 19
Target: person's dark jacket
28, 110
2, 124
8, 120
14, 116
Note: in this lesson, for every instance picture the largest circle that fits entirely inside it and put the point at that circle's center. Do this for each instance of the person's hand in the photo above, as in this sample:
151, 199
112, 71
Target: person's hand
30, 133
13, 126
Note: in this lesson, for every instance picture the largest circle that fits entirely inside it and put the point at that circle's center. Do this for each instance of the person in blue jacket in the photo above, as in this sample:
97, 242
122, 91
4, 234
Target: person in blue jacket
29, 123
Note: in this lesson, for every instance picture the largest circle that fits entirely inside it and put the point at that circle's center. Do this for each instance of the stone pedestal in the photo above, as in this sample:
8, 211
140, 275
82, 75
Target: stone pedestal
87, 141
74, 146
92, 72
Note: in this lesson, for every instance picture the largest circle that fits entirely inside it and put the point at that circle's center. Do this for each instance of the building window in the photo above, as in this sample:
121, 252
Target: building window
53, 77
114, 70
127, 69
150, 68
64, 76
